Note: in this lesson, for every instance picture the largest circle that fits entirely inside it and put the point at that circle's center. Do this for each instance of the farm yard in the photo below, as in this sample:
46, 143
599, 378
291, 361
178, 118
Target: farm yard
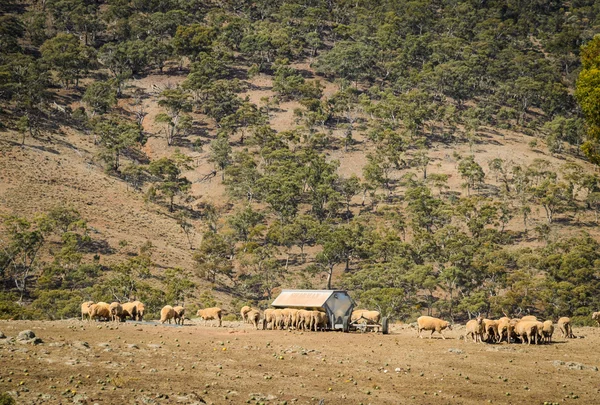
149, 363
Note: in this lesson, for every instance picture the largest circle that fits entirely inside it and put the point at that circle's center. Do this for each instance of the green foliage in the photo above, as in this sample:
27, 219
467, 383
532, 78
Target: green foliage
67, 56
116, 137
100, 97
169, 181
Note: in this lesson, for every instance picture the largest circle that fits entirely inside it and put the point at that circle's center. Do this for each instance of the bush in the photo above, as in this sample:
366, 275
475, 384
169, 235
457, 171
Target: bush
6, 399
58, 304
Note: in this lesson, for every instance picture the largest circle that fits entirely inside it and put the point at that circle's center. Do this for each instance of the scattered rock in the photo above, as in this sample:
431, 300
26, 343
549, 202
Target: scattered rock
571, 365
81, 345
2, 335
454, 350
26, 335
133, 346
154, 346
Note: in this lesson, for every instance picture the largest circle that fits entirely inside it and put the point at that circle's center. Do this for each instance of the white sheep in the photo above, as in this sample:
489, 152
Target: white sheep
166, 314
596, 317
211, 314
179, 314
526, 329
245, 309
432, 324
116, 311
85, 310
475, 328
253, 316
548, 331
564, 325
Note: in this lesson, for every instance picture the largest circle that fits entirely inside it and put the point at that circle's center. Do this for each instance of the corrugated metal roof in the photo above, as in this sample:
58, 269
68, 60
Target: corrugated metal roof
303, 298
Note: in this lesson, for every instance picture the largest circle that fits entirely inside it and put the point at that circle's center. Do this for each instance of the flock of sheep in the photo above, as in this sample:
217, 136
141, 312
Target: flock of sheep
526, 329
135, 311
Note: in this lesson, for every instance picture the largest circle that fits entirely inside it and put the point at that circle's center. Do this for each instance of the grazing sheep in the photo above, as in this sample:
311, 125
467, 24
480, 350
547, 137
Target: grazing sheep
166, 314
140, 309
208, 314
548, 331
564, 325
269, 318
502, 324
116, 311
526, 329
529, 318
540, 331
85, 310
100, 310
596, 317
179, 314
129, 310
491, 330
289, 317
305, 320
373, 316
475, 328
245, 309
321, 321
432, 324
253, 316
278, 314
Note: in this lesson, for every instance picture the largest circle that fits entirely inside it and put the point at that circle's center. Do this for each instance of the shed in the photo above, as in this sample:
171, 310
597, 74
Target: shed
336, 303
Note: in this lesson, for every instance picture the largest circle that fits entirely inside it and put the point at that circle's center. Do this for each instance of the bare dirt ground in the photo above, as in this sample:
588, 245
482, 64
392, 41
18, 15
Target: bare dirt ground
81, 362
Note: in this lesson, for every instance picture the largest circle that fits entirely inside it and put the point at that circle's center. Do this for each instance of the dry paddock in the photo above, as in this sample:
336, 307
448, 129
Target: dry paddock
103, 363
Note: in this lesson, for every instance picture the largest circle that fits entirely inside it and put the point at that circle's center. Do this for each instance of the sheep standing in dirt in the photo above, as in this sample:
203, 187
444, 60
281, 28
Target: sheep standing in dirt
320, 321
253, 317
305, 320
179, 314
279, 316
502, 324
366, 316
548, 331
166, 314
209, 314
491, 330
269, 318
432, 324
475, 328
245, 309
289, 317
140, 309
564, 325
100, 310
116, 311
596, 317
85, 310
129, 310
527, 329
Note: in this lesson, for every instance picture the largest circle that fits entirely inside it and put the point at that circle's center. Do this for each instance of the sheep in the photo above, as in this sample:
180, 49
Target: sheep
85, 310
596, 317
502, 324
564, 325
432, 324
548, 331
529, 318
167, 313
540, 331
269, 318
100, 310
526, 329
278, 314
491, 330
358, 314
305, 320
475, 328
245, 309
320, 320
179, 314
116, 311
288, 316
253, 316
211, 313
140, 309
129, 310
